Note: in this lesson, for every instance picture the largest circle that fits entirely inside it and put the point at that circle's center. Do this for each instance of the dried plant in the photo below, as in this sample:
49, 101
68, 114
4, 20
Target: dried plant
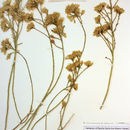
12, 17
108, 19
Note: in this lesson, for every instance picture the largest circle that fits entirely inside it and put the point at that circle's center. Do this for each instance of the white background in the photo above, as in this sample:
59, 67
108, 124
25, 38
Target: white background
86, 101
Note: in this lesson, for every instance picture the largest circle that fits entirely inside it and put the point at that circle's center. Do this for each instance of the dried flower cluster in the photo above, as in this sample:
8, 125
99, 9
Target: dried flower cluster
55, 19
33, 4
118, 10
5, 25
75, 67
6, 45
73, 11
30, 26
100, 30
99, 8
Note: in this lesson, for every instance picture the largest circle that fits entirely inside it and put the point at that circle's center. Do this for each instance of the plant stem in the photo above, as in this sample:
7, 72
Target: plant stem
46, 95
64, 110
8, 97
84, 31
109, 82
49, 111
31, 81
13, 80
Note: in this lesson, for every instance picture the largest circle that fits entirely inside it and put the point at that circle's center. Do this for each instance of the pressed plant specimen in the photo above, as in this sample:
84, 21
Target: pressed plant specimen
51, 26
12, 18
108, 20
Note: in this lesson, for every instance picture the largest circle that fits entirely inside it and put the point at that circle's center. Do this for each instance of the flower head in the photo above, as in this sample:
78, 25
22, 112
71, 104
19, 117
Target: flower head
97, 32
74, 66
64, 103
73, 11
98, 19
1, 13
75, 54
30, 26
88, 63
75, 86
55, 19
101, 29
6, 45
5, 25
29, 17
33, 4
100, 7
106, 27
70, 67
9, 56
70, 78
52, 19
118, 10
45, 10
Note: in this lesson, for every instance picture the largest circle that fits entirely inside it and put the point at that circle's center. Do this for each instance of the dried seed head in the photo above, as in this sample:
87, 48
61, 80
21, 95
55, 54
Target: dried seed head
30, 27
98, 31
88, 63
9, 56
100, 7
70, 78
33, 4
70, 67
97, 19
64, 103
73, 11
118, 10
75, 86
45, 10
29, 17
5, 25
6, 45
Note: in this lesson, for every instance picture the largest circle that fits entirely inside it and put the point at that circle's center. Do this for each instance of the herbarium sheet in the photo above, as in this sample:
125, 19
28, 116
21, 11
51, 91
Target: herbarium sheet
64, 63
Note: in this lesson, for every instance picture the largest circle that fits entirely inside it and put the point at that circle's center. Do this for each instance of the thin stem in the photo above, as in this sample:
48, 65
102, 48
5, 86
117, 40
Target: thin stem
64, 109
8, 98
109, 82
107, 14
57, 46
15, 56
41, 32
62, 66
68, 121
16, 108
35, 20
50, 105
101, 14
46, 95
115, 18
61, 70
31, 81
22, 121
107, 42
117, 23
49, 111
115, 3
81, 23
81, 72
